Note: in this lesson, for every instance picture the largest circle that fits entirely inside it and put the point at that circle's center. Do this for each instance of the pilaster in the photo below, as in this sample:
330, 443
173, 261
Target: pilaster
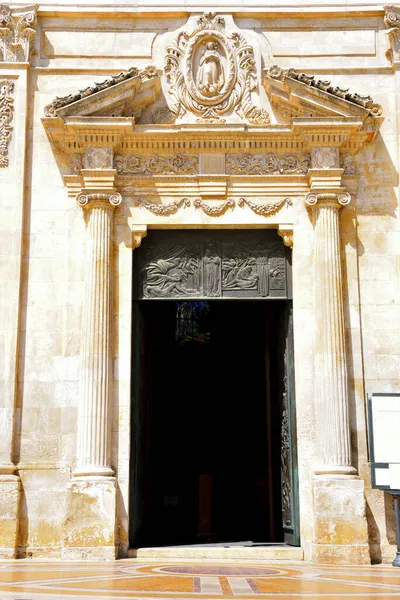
340, 526
17, 28
90, 524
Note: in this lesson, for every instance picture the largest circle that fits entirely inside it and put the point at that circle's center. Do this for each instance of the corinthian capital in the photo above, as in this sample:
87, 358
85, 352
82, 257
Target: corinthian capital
17, 29
107, 199
392, 22
334, 198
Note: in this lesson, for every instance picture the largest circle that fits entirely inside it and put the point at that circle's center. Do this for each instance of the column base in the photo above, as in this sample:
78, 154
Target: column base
90, 522
340, 526
10, 493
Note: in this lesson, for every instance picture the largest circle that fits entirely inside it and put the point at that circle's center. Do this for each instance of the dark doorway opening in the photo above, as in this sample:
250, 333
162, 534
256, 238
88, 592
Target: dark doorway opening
207, 422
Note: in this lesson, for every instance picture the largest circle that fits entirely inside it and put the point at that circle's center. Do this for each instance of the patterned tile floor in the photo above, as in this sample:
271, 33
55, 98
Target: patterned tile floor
129, 579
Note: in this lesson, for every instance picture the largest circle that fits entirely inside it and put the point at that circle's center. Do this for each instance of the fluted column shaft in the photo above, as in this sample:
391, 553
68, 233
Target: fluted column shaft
331, 393
94, 414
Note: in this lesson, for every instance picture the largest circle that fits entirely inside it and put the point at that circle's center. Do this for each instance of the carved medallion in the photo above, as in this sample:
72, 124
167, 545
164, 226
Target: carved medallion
211, 73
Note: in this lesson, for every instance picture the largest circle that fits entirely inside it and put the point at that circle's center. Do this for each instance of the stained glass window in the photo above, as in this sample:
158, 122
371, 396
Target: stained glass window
192, 322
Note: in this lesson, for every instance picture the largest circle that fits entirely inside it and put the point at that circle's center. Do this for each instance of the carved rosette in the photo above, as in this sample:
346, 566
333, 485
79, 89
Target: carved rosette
6, 117
16, 33
331, 393
392, 22
211, 73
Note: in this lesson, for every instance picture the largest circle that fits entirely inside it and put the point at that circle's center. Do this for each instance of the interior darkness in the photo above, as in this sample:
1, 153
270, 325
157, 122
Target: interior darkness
206, 437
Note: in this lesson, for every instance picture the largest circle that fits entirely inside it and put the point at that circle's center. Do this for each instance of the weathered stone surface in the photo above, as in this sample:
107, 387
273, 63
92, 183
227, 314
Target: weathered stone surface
9, 515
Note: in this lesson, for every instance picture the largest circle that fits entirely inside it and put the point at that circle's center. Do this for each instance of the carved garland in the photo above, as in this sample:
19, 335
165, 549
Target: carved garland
264, 209
228, 88
6, 117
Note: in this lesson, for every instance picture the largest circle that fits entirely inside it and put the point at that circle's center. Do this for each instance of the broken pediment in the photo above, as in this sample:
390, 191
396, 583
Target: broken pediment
299, 95
123, 95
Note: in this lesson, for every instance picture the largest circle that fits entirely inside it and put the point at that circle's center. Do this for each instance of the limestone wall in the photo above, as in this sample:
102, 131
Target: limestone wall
42, 248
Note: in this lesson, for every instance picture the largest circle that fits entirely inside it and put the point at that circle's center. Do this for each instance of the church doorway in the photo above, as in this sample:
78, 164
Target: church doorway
213, 457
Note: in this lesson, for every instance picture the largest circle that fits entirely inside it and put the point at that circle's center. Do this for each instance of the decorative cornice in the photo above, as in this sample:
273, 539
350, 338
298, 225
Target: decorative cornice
87, 200
336, 199
16, 32
375, 110
59, 102
267, 164
6, 117
392, 22
178, 164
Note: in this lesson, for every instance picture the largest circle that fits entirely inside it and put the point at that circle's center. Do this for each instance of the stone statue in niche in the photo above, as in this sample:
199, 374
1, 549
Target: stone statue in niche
210, 76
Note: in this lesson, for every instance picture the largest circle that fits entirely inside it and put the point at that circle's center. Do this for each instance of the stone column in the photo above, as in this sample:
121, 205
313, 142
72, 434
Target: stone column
340, 527
89, 528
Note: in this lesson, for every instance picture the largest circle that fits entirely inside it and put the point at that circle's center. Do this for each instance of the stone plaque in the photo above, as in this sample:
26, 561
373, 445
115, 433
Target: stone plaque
194, 265
384, 427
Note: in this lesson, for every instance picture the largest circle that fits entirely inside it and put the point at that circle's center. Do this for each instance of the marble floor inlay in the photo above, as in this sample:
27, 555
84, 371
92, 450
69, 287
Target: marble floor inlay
129, 579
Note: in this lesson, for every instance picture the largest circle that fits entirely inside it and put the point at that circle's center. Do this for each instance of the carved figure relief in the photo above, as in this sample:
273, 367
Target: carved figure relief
267, 164
325, 158
6, 117
214, 270
156, 165
211, 73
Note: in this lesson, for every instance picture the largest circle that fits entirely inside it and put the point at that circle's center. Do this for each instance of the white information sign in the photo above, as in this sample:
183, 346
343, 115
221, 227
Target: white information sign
384, 439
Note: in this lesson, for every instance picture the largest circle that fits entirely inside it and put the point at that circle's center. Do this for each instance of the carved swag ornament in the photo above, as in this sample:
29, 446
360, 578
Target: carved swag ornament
211, 73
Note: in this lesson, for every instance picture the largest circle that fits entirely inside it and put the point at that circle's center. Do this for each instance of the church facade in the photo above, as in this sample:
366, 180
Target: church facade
200, 279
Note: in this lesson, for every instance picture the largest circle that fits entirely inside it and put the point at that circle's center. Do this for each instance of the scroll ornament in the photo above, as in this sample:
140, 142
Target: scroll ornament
156, 165
210, 73
267, 164
6, 117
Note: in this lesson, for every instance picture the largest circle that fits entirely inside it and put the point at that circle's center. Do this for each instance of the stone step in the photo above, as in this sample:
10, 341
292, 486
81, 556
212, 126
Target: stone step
270, 552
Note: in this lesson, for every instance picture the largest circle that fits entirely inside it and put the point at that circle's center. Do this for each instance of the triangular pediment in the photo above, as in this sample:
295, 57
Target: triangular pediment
300, 95
123, 95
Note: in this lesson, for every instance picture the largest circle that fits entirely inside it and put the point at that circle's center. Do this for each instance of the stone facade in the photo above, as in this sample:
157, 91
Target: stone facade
112, 124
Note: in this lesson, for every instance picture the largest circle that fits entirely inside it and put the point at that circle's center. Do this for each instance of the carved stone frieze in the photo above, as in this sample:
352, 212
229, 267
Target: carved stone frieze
267, 164
162, 209
6, 117
17, 29
211, 73
156, 165
59, 102
264, 209
213, 269
375, 110
392, 22
325, 157
98, 158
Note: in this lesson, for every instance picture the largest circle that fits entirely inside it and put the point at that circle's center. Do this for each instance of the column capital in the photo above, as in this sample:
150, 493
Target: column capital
108, 199
335, 198
17, 29
392, 22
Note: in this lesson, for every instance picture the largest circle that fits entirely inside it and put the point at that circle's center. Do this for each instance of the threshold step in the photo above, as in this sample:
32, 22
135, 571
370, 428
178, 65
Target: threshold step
268, 552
